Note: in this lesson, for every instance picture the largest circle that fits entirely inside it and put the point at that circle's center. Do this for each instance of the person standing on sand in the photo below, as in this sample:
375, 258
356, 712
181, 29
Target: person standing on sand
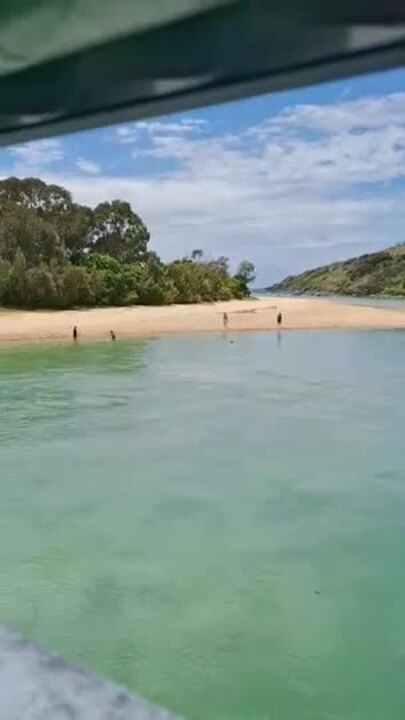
225, 320
279, 319
113, 335
75, 333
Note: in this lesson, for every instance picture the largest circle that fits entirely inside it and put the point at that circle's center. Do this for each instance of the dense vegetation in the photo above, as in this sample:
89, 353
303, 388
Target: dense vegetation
55, 253
379, 273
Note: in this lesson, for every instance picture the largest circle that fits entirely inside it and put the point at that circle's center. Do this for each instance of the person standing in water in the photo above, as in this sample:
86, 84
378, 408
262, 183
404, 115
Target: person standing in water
279, 319
225, 320
75, 334
113, 335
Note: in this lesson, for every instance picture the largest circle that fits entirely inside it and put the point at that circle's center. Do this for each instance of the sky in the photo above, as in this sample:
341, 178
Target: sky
289, 180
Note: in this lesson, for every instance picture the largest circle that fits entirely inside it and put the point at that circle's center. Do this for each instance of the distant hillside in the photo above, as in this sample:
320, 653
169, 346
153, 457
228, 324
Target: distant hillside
379, 273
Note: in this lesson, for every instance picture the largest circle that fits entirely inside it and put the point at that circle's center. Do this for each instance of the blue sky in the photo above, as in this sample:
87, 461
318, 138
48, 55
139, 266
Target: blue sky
290, 180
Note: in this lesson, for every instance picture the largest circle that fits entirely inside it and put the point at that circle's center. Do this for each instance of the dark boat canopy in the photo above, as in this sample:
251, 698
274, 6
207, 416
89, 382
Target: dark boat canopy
67, 65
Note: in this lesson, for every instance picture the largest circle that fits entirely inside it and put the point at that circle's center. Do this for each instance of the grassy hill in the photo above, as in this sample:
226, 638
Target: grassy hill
379, 273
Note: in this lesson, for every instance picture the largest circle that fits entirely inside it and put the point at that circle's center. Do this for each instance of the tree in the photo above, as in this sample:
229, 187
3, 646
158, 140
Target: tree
116, 282
74, 287
205, 281
53, 204
155, 285
35, 195
21, 229
244, 276
57, 253
223, 265
184, 274
14, 292
40, 289
119, 232
5, 267
246, 272
73, 227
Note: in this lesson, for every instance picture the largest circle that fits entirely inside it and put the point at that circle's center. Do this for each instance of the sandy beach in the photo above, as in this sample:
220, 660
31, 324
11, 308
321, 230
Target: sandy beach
244, 315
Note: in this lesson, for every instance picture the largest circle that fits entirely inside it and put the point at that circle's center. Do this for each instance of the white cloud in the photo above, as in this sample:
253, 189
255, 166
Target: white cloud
88, 166
36, 155
159, 127
313, 178
126, 134
363, 114
123, 131
131, 133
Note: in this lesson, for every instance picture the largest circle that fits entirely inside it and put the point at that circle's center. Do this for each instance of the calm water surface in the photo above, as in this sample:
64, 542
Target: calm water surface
219, 526
389, 303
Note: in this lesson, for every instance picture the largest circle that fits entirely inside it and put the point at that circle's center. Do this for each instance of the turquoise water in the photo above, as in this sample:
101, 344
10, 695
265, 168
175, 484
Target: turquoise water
218, 526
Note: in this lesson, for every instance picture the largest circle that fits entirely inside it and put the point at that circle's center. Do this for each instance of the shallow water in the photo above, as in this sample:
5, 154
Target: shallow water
389, 303
218, 526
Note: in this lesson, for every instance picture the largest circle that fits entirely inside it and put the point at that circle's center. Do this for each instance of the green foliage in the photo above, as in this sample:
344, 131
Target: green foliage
40, 288
36, 195
246, 272
111, 282
75, 287
155, 286
203, 281
379, 273
244, 276
73, 227
119, 232
56, 253
15, 282
22, 230
237, 289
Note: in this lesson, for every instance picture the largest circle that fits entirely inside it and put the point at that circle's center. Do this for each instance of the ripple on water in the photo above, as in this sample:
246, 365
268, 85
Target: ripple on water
217, 527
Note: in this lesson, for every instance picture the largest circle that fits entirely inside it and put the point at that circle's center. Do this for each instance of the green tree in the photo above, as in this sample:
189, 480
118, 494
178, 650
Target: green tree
21, 229
116, 282
155, 285
15, 284
56, 253
246, 272
116, 230
245, 275
36, 195
5, 267
184, 277
222, 265
205, 281
40, 289
74, 287
73, 227
53, 204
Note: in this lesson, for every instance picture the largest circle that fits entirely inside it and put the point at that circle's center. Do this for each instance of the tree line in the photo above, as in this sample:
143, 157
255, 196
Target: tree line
55, 253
